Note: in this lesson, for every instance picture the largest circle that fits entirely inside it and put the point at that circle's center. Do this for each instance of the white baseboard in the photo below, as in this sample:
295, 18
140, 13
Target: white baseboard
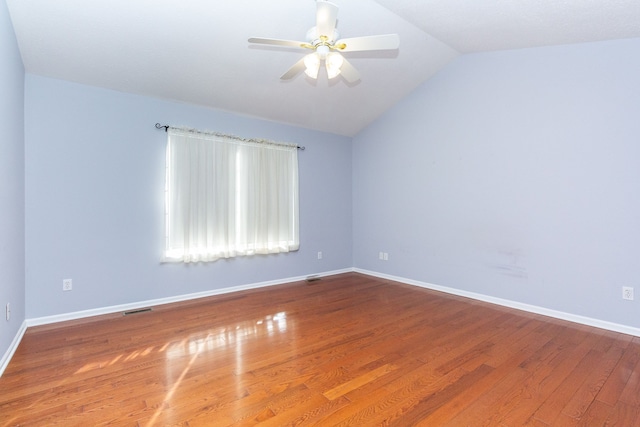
4, 362
46, 320
597, 323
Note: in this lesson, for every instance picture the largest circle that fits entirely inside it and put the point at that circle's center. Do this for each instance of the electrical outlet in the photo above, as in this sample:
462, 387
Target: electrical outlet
386, 256
8, 311
627, 293
319, 255
67, 284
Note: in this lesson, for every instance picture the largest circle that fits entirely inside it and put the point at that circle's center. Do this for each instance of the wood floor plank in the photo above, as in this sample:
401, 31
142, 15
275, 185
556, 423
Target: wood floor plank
549, 366
346, 350
584, 396
617, 381
456, 404
624, 415
596, 415
552, 407
358, 382
492, 405
526, 398
631, 392
389, 407
429, 403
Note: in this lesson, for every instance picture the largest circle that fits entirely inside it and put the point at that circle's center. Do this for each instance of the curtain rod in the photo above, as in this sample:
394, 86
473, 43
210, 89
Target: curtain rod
166, 129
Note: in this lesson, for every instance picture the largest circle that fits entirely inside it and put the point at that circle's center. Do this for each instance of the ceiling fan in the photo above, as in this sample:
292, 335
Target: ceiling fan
324, 40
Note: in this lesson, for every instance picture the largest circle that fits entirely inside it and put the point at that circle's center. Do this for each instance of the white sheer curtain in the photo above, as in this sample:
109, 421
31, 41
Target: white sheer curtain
227, 197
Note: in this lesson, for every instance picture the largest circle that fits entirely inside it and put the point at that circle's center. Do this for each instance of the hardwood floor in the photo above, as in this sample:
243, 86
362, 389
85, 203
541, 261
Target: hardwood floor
345, 350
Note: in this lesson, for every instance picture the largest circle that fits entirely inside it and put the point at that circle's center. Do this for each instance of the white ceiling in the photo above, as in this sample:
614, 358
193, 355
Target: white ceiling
197, 51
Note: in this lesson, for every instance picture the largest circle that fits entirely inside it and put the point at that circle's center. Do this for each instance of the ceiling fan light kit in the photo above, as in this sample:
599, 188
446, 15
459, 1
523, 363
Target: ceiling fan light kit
324, 40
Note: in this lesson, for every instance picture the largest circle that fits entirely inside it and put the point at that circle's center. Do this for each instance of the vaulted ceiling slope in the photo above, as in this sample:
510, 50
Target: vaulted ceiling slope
197, 51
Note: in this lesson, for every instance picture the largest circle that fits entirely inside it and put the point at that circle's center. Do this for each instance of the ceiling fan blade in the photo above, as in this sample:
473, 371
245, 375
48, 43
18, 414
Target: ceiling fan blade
381, 42
349, 72
326, 16
279, 42
294, 70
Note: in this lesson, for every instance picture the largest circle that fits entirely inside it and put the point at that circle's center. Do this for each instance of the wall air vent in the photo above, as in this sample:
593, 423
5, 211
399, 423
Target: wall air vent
137, 311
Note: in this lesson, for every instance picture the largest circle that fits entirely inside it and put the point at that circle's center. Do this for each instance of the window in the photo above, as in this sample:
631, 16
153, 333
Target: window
227, 197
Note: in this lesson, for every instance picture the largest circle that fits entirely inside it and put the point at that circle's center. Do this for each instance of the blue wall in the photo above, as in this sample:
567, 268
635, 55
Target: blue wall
514, 175
95, 200
12, 281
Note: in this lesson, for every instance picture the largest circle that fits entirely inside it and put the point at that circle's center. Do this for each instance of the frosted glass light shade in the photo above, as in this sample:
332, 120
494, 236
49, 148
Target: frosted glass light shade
333, 62
312, 62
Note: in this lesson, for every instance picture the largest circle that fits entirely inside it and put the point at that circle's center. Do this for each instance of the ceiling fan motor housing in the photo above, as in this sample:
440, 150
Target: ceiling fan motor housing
316, 39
